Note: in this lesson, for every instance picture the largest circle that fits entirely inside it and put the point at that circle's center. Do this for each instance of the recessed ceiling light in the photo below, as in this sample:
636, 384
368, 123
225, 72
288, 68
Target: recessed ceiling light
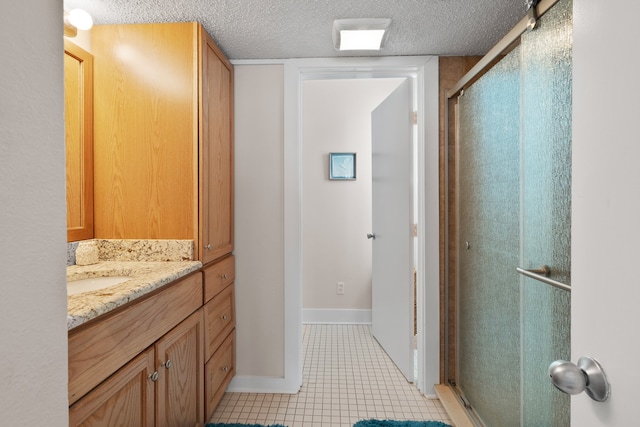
360, 33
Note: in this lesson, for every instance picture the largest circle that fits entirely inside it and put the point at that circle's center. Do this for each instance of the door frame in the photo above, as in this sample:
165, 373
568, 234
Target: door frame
423, 73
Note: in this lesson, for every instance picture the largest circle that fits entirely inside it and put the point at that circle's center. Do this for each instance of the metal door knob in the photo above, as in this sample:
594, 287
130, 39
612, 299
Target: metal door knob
371, 236
587, 376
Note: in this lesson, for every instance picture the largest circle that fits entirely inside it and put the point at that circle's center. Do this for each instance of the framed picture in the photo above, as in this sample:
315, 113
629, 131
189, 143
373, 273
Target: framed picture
342, 166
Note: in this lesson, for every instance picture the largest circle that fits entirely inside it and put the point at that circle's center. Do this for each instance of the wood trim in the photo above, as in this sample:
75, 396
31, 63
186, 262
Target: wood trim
98, 351
452, 405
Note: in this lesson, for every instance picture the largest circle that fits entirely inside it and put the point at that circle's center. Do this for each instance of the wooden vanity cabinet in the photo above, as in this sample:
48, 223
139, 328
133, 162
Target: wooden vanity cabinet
164, 383
163, 136
143, 366
219, 330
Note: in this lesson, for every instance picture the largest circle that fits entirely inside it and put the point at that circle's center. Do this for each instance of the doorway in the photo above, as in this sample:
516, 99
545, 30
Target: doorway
348, 277
423, 72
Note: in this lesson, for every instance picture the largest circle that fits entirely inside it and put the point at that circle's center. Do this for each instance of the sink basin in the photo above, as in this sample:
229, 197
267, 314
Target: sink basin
93, 284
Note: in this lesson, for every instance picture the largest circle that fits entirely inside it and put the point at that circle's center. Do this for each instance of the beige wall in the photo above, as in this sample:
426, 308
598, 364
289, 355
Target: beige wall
82, 39
337, 214
33, 306
259, 219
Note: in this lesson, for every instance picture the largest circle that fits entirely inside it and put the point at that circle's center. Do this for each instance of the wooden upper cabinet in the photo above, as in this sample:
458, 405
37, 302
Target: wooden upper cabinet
146, 85
216, 130
78, 113
163, 136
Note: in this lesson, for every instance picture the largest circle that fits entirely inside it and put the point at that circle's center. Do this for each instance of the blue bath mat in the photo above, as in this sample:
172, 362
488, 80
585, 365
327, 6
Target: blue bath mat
390, 423
243, 425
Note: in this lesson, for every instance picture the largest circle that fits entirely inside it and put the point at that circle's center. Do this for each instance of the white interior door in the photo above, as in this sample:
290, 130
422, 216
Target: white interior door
605, 210
392, 292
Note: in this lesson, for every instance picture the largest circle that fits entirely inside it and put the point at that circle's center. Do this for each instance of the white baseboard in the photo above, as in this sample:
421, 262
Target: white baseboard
253, 384
333, 316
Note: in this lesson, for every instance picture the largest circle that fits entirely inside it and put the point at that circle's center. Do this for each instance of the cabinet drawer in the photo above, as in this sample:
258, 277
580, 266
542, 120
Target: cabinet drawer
218, 276
220, 319
218, 373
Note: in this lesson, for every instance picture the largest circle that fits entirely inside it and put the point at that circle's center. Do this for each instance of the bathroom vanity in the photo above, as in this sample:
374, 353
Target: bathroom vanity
154, 350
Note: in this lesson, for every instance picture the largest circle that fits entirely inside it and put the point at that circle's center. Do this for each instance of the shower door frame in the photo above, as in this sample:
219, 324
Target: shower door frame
449, 371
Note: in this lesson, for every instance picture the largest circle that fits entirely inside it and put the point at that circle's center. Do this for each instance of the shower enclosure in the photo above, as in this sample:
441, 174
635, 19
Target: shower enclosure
513, 164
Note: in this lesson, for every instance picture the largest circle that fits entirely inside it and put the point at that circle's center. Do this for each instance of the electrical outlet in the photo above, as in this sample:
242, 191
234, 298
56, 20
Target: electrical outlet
340, 288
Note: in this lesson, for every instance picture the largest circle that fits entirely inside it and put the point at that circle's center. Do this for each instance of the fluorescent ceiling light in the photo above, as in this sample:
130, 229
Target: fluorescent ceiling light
361, 39
359, 34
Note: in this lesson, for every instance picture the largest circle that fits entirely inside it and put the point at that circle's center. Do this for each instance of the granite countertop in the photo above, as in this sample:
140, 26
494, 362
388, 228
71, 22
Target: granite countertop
145, 277
147, 274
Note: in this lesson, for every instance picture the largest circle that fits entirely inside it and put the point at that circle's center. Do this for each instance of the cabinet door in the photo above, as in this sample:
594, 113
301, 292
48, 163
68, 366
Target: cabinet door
180, 392
216, 145
78, 119
125, 399
146, 130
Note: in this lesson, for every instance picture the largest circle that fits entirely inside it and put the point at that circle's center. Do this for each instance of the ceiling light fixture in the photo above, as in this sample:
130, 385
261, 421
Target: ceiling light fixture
76, 19
360, 33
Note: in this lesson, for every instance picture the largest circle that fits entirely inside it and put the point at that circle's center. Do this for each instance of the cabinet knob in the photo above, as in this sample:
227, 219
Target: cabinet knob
223, 317
208, 247
224, 275
153, 377
166, 364
225, 369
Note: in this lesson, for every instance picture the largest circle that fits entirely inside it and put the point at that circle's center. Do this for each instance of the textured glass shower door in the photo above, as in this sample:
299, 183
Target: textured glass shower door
546, 211
489, 231
514, 187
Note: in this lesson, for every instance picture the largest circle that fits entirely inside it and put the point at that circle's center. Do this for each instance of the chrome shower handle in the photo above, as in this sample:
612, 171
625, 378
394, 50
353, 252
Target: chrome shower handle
542, 274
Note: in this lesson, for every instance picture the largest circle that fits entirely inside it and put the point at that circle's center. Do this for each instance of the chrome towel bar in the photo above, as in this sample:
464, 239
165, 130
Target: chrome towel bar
541, 275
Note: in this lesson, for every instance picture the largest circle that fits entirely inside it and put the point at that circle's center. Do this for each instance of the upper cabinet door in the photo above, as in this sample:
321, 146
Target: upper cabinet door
146, 124
78, 113
216, 130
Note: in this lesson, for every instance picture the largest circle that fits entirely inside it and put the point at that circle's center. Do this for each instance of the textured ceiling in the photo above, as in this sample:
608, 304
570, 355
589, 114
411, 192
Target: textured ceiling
274, 29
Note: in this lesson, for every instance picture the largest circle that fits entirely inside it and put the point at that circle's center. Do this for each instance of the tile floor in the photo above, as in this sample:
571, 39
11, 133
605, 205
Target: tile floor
346, 377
